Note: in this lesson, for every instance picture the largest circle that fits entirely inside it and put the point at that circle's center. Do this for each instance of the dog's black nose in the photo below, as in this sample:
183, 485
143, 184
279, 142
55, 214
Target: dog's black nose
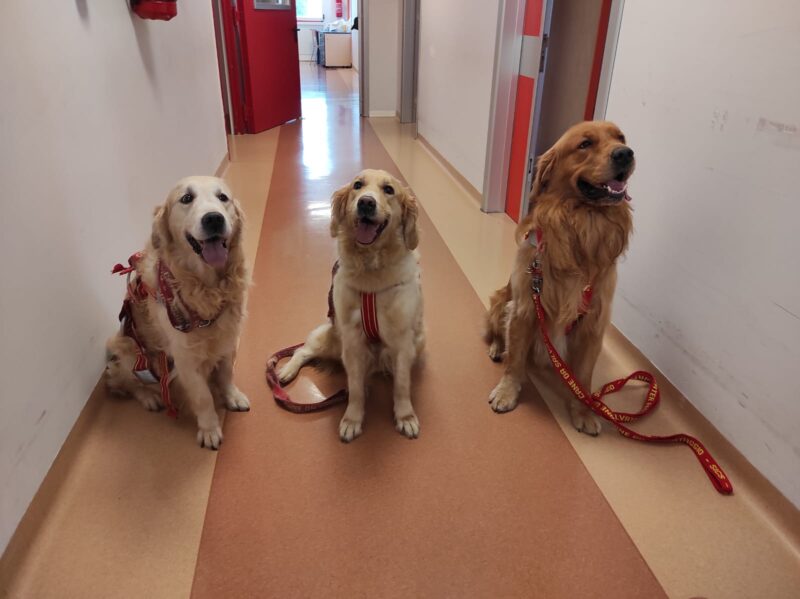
213, 223
366, 206
622, 156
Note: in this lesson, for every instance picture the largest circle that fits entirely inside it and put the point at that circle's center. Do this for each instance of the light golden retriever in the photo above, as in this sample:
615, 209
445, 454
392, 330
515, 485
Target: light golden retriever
580, 207
197, 237
374, 219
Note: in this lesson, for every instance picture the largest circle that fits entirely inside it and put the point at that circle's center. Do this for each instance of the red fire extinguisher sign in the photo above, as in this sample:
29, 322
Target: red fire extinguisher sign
159, 10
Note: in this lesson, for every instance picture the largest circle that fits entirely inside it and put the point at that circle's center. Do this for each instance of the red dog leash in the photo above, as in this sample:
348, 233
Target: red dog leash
280, 394
594, 400
369, 323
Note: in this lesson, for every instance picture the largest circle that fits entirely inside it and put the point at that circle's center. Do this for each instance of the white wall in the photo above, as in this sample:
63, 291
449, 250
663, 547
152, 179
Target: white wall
384, 56
709, 97
456, 61
100, 114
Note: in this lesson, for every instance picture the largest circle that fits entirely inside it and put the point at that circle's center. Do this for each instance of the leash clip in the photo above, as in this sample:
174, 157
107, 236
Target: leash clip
535, 269
536, 285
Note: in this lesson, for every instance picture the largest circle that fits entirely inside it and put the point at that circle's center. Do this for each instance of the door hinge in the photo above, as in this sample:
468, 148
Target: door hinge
543, 54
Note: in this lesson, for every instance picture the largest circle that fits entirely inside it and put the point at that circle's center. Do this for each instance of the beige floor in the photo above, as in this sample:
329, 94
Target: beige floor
747, 545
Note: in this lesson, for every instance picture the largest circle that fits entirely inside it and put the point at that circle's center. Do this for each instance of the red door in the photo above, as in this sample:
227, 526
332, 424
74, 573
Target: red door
525, 113
263, 62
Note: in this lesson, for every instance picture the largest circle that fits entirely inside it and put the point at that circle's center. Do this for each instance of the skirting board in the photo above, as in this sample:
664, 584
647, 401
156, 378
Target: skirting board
451, 170
223, 165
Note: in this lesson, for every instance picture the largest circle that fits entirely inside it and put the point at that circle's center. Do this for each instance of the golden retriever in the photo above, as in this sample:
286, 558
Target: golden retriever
197, 241
581, 210
374, 219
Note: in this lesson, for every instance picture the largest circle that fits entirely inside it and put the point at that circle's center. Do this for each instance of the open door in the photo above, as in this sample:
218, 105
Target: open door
553, 65
527, 113
263, 62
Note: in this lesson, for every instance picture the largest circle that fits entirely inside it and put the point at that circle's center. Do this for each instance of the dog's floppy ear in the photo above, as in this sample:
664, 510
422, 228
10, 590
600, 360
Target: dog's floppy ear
544, 170
410, 213
161, 235
339, 208
241, 223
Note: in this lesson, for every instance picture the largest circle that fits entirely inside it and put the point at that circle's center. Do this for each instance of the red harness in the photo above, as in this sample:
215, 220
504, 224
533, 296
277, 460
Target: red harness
586, 294
369, 311
369, 324
369, 317
594, 401
181, 317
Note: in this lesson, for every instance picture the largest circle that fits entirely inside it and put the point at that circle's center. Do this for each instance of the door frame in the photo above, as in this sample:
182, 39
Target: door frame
222, 60
536, 114
233, 41
507, 64
507, 52
409, 51
609, 56
363, 57
408, 60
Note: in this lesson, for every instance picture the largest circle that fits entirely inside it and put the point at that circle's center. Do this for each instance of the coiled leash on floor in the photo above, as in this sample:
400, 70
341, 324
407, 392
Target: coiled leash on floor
280, 394
594, 400
369, 322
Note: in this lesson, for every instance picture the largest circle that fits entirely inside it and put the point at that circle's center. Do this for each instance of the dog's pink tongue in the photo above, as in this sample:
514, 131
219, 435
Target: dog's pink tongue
366, 232
616, 186
215, 253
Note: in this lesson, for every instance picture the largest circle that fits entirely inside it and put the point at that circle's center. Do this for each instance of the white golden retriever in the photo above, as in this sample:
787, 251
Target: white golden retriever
185, 305
377, 298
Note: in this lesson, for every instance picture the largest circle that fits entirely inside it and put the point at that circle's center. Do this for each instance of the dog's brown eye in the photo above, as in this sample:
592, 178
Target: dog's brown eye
621, 138
187, 198
358, 185
388, 190
222, 197
585, 144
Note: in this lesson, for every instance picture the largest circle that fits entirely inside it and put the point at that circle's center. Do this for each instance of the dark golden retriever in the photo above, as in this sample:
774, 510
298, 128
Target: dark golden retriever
583, 218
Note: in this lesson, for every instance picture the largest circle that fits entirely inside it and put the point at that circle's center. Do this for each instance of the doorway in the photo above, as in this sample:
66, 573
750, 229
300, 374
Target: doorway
552, 70
262, 45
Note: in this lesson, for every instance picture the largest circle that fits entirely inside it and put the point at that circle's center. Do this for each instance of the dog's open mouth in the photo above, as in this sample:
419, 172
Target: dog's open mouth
213, 251
367, 230
613, 191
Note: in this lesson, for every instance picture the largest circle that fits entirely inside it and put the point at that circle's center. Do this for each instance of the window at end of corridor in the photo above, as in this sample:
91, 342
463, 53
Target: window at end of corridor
309, 10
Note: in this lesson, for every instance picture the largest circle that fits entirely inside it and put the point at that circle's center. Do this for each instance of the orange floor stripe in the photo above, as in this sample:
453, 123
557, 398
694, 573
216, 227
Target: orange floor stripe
479, 505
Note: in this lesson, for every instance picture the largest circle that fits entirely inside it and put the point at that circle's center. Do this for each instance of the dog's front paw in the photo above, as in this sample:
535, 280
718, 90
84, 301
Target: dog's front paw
210, 437
150, 399
407, 425
349, 428
584, 420
288, 372
496, 351
503, 398
236, 401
